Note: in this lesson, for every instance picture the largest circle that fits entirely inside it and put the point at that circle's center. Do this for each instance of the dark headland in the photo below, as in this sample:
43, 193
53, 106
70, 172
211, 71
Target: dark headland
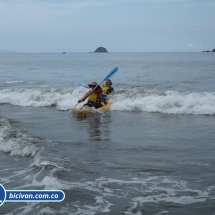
209, 51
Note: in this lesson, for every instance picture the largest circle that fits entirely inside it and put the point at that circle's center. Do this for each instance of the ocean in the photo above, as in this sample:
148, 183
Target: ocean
153, 153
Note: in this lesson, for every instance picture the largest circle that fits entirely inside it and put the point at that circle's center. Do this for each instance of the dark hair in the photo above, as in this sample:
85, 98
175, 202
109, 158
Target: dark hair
109, 81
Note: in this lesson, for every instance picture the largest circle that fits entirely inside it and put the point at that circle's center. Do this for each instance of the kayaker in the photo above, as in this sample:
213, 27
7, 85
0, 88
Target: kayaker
94, 98
107, 89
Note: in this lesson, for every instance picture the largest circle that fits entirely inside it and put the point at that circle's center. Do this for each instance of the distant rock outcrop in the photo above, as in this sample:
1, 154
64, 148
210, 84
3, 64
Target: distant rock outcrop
101, 49
209, 51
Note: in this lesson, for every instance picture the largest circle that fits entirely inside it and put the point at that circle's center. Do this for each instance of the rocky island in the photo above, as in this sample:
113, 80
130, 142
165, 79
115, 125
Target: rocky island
101, 49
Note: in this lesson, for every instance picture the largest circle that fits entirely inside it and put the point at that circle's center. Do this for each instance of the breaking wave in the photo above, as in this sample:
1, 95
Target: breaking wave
14, 142
63, 99
134, 99
168, 102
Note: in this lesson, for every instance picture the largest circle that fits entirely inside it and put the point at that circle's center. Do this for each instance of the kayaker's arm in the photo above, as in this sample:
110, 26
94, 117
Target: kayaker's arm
85, 96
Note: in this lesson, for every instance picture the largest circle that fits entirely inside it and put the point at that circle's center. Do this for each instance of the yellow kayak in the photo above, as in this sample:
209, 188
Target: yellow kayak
85, 111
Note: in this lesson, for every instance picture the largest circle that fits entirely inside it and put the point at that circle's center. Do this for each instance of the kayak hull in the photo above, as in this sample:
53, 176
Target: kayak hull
105, 107
85, 111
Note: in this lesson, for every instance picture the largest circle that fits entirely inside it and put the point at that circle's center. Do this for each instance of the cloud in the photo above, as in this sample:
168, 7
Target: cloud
194, 46
190, 46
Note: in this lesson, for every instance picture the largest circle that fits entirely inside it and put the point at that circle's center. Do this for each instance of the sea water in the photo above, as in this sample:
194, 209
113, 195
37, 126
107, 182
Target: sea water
152, 153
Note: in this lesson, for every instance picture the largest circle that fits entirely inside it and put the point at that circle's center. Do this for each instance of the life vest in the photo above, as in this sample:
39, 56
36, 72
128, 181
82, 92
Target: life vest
106, 89
93, 97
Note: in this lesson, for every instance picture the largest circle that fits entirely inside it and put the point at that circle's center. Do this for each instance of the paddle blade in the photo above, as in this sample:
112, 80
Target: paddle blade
79, 84
111, 73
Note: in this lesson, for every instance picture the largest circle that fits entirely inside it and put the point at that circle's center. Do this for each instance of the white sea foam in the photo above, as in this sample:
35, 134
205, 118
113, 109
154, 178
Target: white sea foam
135, 99
47, 211
13, 82
44, 86
155, 189
63, 99
14, 142
140, 191
169, 102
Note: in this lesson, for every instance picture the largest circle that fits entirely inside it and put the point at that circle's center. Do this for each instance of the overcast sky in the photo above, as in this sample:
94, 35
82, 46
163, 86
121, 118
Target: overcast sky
117, 25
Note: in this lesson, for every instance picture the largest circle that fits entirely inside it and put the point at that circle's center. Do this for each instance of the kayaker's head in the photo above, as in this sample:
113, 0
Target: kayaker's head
92, 85
108, 82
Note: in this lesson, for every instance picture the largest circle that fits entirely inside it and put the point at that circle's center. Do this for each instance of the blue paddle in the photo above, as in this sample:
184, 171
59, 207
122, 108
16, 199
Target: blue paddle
80, 84
107, 77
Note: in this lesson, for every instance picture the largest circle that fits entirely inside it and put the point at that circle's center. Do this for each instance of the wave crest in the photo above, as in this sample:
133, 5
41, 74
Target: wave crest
169, 102
134, 99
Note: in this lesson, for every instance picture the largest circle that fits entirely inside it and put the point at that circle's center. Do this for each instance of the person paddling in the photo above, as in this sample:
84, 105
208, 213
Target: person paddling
94, 96
107, 89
